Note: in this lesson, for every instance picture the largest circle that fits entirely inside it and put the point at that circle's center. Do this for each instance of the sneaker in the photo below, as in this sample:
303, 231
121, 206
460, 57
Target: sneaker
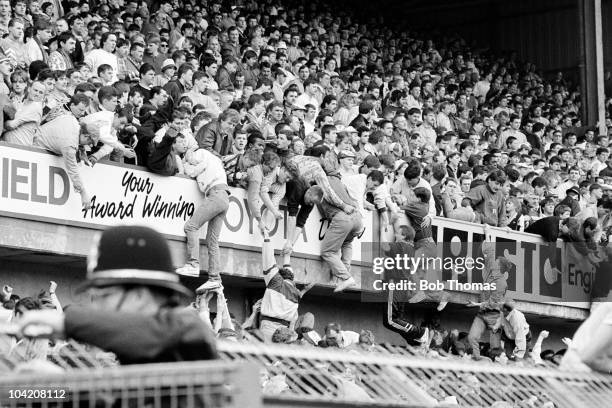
209, 285
189, 270
344, 284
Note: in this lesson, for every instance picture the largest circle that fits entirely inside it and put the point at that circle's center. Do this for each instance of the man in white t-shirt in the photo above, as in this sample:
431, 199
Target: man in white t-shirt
104, 55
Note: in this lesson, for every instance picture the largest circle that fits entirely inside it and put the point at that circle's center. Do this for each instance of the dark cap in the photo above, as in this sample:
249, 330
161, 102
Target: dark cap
132, 255
573, 190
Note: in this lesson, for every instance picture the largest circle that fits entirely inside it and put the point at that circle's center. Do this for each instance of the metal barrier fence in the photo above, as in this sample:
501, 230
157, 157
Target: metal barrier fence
381, 378
293, 376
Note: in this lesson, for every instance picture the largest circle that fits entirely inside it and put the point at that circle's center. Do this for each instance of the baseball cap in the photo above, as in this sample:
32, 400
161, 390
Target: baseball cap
168, 63
281, 45
350, 129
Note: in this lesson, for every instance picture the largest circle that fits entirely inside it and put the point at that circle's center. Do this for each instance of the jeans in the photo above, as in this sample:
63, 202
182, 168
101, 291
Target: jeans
337, 244
485, 320
212, 211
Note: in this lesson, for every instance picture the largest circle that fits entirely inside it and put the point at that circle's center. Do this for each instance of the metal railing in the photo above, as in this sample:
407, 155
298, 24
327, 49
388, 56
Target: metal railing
295, 376
208, 384
382, 378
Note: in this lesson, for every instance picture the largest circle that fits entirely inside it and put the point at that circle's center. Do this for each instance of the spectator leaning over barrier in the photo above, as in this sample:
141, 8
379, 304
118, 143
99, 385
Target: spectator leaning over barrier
488, 200
133, 313
61, 134
104, 125
166, 157
208, 170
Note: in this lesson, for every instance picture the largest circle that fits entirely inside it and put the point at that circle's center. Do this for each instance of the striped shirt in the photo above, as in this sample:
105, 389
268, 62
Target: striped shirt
310, 171
28, 120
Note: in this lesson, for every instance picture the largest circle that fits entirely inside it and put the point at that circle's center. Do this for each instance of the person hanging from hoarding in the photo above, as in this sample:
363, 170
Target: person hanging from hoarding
299, 207
134, 312
256, 198
208, 170
345, 225
394, 317
492, 299
279, 307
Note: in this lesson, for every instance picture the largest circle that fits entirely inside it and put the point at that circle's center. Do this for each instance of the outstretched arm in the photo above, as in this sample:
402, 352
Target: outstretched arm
268, 261
537, 347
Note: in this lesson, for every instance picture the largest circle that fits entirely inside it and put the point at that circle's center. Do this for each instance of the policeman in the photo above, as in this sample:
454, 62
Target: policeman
134, 311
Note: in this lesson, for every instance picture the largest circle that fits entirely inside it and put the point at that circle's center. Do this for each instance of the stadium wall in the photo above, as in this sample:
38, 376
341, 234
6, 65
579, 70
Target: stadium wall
44, 236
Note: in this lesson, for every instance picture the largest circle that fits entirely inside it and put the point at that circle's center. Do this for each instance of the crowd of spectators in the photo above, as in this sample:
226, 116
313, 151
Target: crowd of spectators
315, 106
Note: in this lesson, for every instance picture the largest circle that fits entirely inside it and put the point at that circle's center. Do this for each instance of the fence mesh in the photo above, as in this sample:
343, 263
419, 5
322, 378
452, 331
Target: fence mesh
291, 376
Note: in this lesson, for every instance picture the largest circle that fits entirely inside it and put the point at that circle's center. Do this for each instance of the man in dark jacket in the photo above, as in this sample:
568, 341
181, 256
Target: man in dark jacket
366, 109
165, 155
571, 200
217, 136
181, 84
226, 73
135, 293
488, 200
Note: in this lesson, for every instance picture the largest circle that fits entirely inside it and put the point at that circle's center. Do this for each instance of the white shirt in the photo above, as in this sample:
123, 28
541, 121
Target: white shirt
206, 168
349, 338
411, 102
521, 329
512, 133
597, 167
444, 121
356, 187
97, 57
33, 50
209, 104
428, 134
305, 99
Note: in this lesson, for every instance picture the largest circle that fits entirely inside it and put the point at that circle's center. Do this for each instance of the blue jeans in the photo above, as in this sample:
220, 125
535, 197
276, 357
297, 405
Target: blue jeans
212, 211
337, 247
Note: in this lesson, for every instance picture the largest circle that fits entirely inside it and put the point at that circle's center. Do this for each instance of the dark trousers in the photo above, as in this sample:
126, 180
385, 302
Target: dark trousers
394, 321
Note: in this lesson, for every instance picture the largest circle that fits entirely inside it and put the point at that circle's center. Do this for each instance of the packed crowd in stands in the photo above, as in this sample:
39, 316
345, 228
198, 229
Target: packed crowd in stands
312, 105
